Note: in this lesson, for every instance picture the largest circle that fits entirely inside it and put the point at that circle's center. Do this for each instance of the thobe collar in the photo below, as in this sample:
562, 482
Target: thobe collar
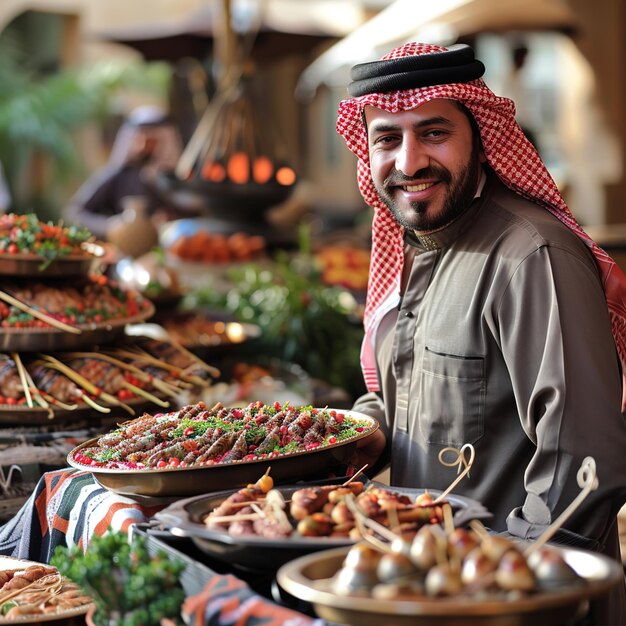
448, 233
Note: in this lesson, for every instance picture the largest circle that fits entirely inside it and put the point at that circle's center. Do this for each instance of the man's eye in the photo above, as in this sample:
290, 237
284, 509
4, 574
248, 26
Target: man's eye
435, 133
385, 139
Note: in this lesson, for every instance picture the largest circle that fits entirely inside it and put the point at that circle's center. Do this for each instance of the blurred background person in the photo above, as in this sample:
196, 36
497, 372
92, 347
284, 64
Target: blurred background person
147, 143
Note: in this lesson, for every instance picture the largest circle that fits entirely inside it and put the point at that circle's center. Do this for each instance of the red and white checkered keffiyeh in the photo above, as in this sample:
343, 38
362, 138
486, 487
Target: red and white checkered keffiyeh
510, 155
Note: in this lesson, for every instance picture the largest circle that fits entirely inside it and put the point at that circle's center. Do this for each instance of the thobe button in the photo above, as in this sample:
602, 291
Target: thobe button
408, 314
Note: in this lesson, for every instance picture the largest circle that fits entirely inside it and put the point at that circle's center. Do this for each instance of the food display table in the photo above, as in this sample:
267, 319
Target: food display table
68, 507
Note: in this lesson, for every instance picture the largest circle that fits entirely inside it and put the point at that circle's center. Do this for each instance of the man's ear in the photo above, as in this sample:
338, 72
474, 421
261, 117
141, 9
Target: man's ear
481, 156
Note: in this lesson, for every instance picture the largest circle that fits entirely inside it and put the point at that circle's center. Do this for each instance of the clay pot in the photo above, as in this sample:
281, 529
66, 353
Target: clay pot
133, 232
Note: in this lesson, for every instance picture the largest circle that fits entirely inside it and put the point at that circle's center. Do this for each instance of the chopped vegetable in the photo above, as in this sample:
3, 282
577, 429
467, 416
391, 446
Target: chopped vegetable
27, 235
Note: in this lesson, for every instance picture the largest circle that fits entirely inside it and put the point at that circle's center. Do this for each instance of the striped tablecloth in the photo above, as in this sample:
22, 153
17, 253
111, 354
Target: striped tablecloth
68, 507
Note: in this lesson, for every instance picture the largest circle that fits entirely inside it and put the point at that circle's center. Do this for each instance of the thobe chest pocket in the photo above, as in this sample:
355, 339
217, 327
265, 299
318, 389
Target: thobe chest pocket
451, 408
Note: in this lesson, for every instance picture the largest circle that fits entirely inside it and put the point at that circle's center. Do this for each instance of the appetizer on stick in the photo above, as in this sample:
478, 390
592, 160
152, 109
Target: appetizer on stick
321, 511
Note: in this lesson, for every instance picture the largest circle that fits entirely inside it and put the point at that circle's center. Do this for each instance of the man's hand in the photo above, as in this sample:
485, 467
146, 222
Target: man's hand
368, 450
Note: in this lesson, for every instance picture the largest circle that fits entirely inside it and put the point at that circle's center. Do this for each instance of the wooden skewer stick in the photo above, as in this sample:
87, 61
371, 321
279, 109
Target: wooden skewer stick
148, 358
588, 482
237, 517
21, 372
56, 402
9, 299
393, 521
448, 518
479, 528
88, 386
146, 394
237, 505
354, 476
138, 373
213, 371
159, 333
43, 403
93, 404
165, 387
36, 393
52, 579
363, 523
459, 460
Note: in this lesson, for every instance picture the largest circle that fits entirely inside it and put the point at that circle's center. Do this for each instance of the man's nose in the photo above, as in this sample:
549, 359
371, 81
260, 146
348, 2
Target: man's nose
411, 157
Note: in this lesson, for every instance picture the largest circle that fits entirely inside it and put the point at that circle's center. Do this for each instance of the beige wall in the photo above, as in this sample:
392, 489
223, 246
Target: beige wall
602, 40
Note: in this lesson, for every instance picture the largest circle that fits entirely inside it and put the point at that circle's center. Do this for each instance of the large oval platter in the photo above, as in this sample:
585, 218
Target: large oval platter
310, 578
51, 339
184, 518
195, 480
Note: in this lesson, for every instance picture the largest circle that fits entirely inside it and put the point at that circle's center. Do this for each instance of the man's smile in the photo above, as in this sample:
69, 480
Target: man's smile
419, 187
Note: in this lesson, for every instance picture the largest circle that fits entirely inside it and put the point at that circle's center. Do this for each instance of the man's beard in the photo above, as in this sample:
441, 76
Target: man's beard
457, 200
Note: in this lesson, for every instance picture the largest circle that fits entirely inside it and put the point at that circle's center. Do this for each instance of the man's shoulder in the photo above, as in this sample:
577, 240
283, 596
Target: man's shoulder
524, 220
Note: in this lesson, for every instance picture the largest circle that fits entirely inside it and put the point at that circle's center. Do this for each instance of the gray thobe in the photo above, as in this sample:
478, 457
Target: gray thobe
503, 340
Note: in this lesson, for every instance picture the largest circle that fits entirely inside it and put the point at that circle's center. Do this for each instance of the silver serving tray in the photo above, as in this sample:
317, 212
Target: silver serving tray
183, 518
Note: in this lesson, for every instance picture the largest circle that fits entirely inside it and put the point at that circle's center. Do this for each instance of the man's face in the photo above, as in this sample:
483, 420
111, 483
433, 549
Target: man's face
425, 163
144, 143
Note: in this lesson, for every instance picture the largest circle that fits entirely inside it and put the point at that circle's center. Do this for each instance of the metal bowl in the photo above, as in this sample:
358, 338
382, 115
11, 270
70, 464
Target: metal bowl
310, 578
34, 266
249, 201
192, 481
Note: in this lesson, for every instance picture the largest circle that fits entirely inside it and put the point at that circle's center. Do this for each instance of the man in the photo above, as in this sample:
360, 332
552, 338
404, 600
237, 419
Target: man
486, 321
147, 143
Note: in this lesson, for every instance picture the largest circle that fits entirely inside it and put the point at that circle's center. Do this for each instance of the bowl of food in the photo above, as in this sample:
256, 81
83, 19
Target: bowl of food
32, 247
481, 581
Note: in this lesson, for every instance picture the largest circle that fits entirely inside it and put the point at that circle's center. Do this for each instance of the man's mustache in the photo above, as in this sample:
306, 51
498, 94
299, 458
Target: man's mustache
398, 178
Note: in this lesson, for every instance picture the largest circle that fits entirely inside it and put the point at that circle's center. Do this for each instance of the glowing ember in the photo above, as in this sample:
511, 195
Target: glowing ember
238, 168
285, 176
214, 171
262, 170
